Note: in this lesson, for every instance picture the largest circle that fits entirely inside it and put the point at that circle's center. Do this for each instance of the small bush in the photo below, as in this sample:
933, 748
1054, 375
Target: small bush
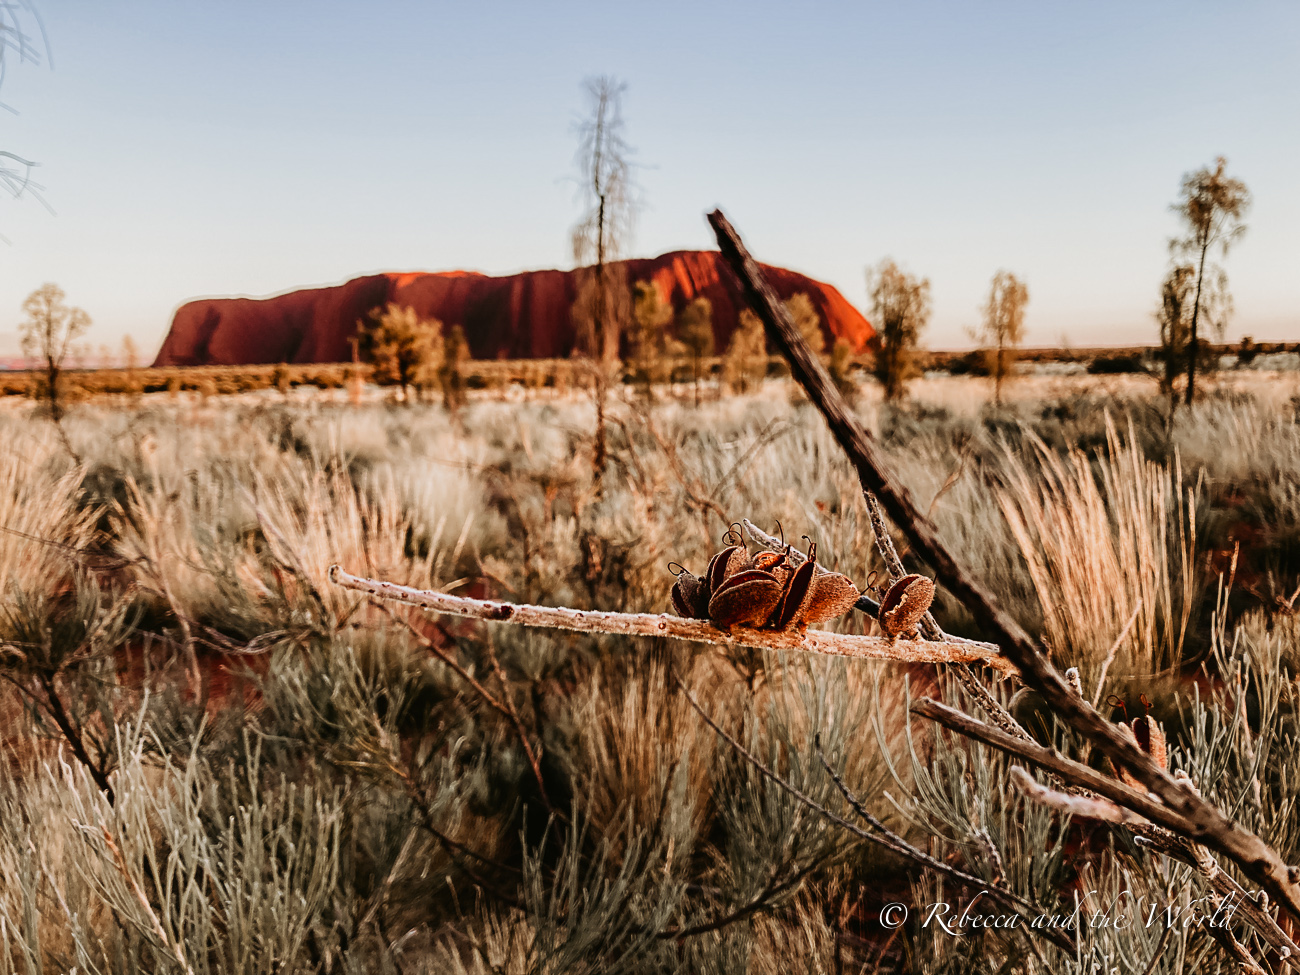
1114, 365
971, 364
1246, 351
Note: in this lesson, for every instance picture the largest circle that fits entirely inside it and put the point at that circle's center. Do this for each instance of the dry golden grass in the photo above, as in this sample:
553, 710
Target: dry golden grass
1104, 547
231, 510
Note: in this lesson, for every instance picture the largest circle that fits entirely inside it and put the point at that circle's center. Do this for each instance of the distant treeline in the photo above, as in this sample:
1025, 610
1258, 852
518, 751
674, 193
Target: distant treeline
540, 373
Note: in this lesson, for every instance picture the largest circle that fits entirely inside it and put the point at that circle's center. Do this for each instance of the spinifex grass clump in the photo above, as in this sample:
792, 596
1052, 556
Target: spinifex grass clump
373, 786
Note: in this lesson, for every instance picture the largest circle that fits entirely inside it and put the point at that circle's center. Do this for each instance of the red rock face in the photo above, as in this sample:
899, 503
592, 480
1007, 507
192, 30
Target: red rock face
518, 316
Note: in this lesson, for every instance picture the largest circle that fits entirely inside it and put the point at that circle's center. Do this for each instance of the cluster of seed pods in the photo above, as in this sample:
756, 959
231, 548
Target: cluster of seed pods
763, 590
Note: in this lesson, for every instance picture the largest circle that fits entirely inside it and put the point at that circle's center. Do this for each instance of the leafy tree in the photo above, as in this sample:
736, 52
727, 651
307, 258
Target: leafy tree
841, 368
451, 372
131, 363
599, 237
47, 335
1174, 316
695, 331
1004, 326
403, 349
1213, 207
1246, 351
130, 353
900, 304
652, 313
745, 361
805, 318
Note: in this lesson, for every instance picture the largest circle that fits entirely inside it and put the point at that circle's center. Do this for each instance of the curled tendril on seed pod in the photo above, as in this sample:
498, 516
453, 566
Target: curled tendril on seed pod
870, 585
1115, 701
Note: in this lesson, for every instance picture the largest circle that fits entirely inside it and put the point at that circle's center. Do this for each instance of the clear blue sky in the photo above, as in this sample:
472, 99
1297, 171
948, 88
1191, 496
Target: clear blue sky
204, 148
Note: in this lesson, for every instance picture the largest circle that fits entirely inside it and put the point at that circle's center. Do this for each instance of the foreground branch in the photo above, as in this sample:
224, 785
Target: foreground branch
1206, 823
1050, 760
1128, 806
673, 627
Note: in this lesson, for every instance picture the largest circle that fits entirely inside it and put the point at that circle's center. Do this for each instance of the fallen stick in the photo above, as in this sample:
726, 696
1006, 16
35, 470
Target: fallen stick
674, 627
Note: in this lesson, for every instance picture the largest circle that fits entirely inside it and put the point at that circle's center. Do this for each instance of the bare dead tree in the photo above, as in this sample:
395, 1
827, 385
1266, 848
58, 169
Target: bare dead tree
47, 335
604, 166
22, 36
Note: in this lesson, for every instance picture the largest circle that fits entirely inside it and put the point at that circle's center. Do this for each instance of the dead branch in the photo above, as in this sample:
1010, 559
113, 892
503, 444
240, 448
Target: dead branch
1066, 769
672, 627
1115, 808
1069, 804
1202, 820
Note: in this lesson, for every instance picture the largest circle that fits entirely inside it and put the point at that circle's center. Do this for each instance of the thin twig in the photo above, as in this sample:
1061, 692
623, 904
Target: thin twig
1160, 950
1068, 770
54, 705
769, 434
534, 760
901, 845
1069, 804
673, 627
1224, 936
120, 862
759, 902
950, 482
506, 707
694, 489
447, 659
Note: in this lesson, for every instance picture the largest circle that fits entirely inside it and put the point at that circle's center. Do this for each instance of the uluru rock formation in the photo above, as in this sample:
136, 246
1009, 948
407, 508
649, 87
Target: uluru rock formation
516, 316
